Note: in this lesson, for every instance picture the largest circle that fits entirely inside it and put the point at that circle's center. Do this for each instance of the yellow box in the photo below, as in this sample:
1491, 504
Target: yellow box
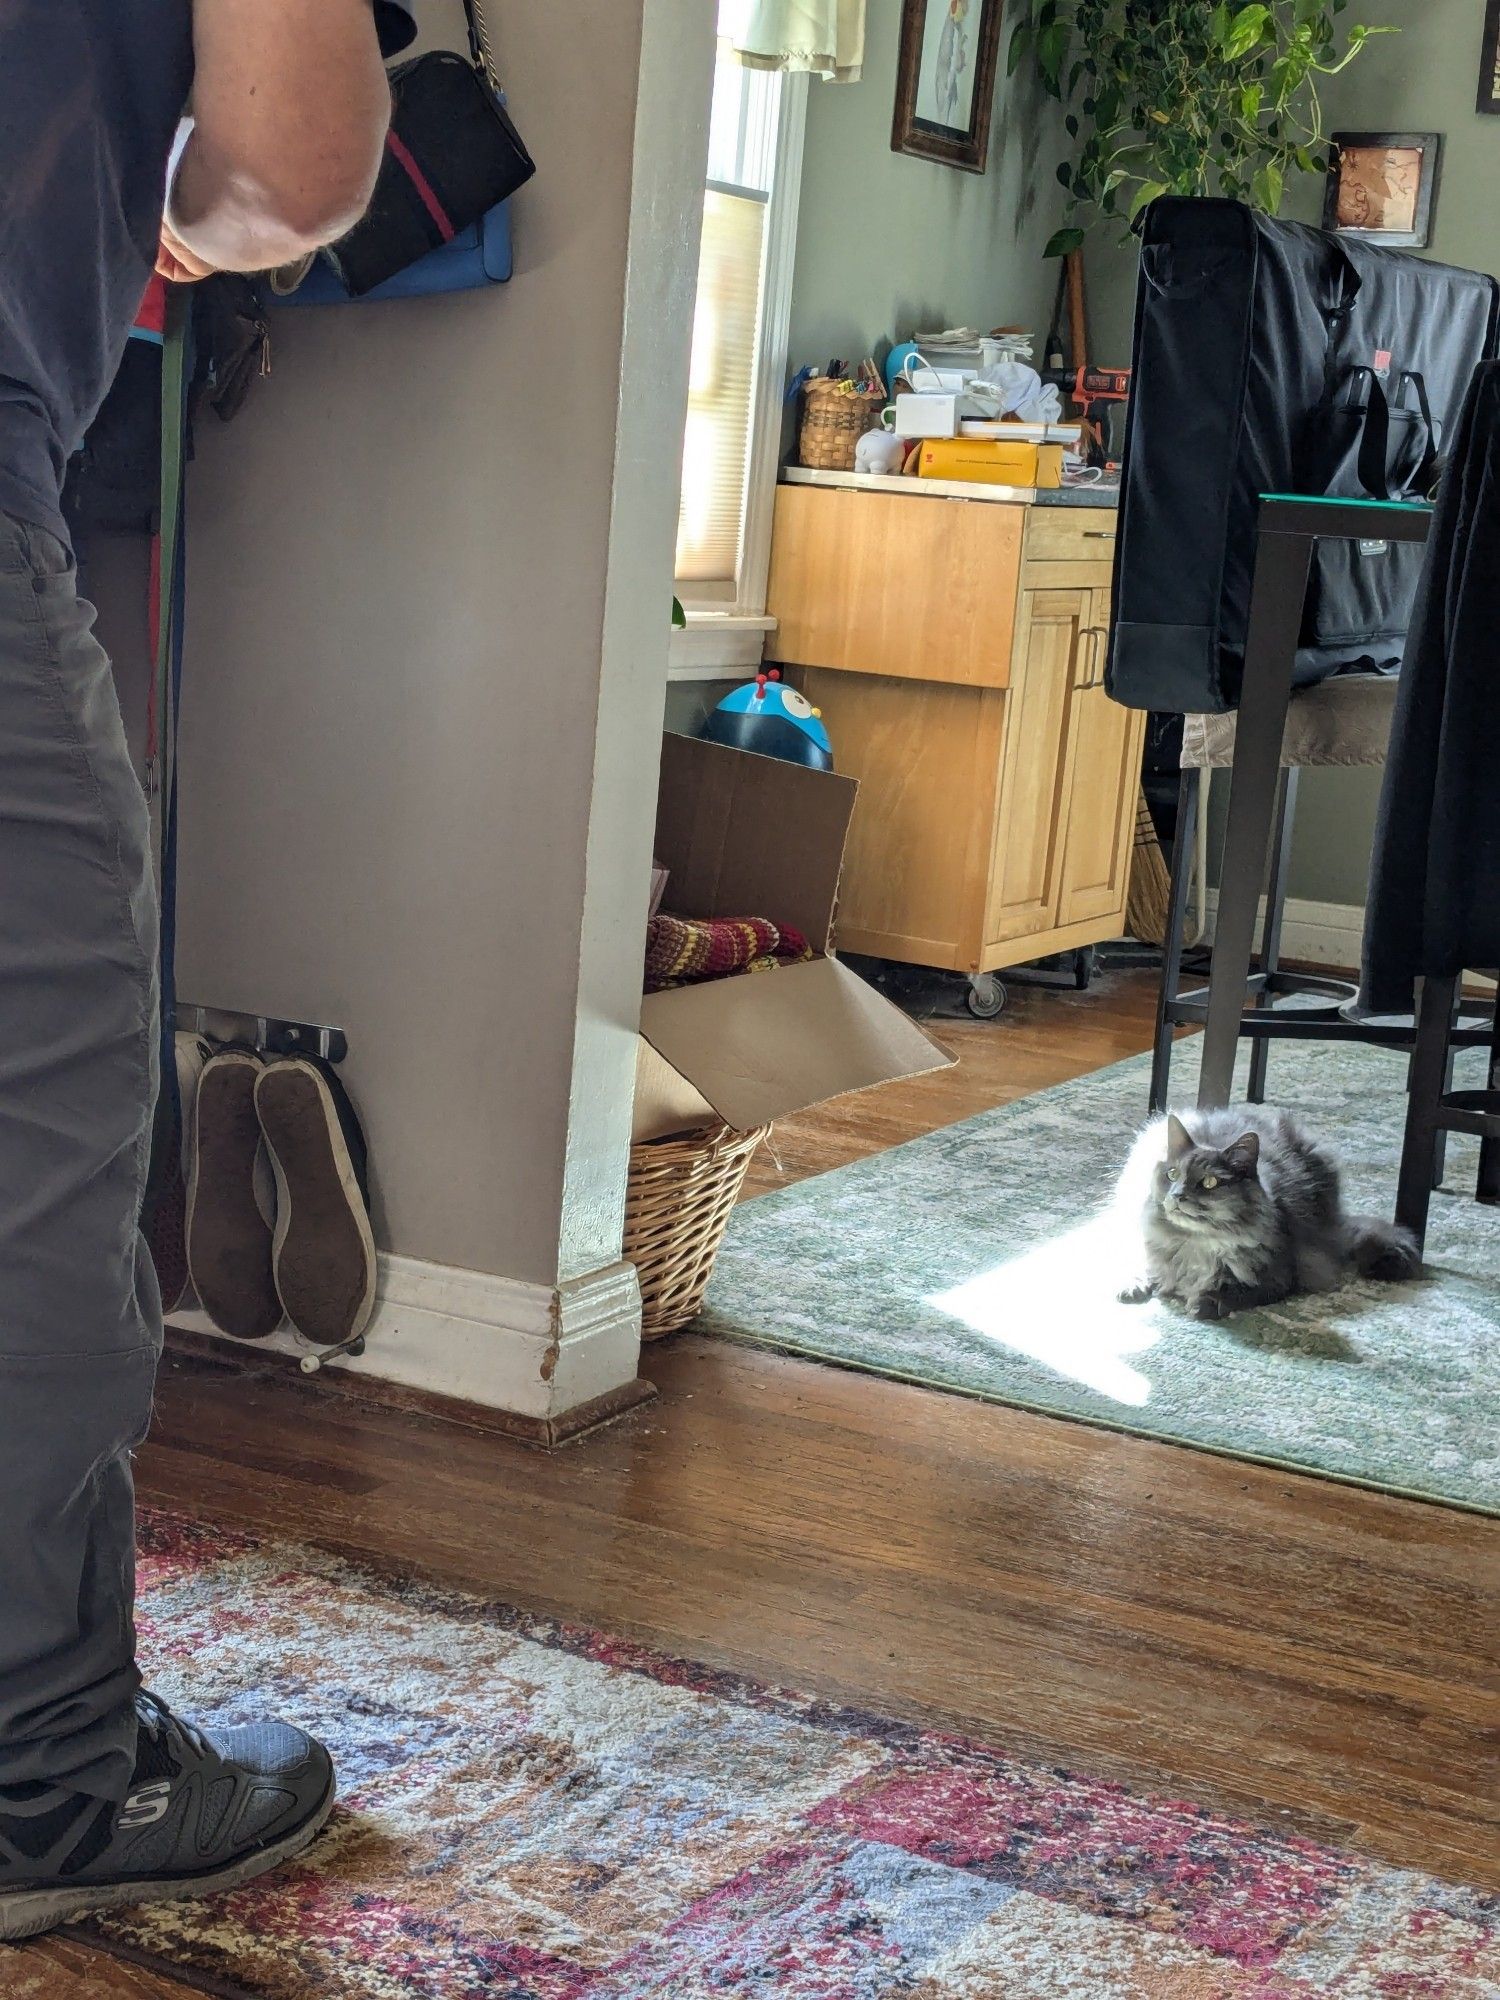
992, 461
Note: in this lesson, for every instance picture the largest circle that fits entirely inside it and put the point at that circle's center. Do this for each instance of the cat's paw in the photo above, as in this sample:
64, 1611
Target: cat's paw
1136, 1294
1207, 1307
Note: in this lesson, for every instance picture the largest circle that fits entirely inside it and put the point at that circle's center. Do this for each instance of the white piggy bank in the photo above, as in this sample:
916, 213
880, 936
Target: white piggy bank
879, 451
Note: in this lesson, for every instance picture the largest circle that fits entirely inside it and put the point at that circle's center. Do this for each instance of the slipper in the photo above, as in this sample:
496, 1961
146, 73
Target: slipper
323, 1257
229, 1220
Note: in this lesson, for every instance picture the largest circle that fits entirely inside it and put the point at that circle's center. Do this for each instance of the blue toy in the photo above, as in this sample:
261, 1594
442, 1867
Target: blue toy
773, 721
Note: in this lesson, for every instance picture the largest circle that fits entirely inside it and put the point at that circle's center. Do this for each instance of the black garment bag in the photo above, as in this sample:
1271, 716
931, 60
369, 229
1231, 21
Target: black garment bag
1274, 358
1434, 905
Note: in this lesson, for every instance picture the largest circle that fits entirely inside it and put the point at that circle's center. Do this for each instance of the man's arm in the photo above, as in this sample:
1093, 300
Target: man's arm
290, 107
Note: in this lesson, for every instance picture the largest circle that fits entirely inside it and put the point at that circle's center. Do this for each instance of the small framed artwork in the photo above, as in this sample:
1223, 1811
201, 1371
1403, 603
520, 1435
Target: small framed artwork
1489, 61
1382, 186
945, 81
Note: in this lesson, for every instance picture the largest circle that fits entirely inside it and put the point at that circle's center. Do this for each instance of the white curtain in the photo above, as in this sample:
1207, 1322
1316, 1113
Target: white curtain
824, 37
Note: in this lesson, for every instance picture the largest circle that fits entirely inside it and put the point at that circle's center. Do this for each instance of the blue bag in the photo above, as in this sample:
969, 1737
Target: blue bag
478, 256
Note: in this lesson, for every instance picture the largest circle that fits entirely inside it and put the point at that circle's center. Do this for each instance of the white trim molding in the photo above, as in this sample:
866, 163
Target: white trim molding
763, 458
1313, 933
536, 1351
718, 645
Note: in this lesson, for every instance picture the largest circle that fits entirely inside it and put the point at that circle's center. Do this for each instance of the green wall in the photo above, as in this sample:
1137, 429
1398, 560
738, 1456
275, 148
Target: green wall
887, 244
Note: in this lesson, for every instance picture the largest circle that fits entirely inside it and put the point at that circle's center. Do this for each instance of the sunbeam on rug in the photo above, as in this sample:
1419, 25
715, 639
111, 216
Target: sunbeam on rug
536, 1812
978, 1259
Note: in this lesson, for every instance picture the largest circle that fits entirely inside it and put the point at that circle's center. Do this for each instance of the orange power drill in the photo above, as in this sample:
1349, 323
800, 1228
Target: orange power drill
1106, 387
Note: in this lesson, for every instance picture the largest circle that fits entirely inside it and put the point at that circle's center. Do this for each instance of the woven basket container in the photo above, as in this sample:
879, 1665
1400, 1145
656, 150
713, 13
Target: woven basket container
677, 1204
834, 419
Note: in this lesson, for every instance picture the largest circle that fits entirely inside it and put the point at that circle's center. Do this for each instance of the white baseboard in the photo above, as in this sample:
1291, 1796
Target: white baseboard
533, 1350
1313, 933
1328, 934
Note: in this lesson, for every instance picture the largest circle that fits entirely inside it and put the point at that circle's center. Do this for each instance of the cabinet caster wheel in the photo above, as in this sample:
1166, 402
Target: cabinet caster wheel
986, 997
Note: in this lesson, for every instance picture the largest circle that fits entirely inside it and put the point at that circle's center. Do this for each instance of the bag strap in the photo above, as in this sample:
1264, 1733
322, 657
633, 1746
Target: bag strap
160, 722
167, 604
480, 46
1377, 473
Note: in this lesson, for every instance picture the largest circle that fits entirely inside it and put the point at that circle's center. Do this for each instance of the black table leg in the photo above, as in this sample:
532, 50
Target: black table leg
1429, 1066
1282, 563
1489, 1149
1270, 942
1183, 843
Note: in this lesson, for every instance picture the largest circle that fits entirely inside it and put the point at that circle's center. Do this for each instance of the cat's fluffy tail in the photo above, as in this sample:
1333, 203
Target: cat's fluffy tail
1379, 1249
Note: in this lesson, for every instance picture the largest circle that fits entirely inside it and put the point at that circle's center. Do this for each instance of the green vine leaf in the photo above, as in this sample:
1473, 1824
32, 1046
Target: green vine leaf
1246, 29
1182, 97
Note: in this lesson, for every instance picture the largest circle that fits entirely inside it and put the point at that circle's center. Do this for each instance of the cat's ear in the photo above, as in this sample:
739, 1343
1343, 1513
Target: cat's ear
1244, 1154
1179, 1139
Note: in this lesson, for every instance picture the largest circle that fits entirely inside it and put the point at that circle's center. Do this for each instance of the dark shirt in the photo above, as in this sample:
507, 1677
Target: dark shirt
91, 92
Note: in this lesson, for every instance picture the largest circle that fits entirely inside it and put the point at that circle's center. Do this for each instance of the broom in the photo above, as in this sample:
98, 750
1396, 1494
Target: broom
1150, 882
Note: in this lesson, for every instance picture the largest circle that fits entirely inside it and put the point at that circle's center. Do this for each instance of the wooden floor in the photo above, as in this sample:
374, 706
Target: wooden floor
1296, 1650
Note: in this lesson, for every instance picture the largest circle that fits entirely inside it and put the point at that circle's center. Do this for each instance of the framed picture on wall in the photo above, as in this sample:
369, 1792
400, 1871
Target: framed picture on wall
1382, 186
945, 81
1489, 62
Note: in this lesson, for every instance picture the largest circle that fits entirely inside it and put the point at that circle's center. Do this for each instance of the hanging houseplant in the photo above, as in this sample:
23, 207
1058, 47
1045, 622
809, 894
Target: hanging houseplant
1181, 97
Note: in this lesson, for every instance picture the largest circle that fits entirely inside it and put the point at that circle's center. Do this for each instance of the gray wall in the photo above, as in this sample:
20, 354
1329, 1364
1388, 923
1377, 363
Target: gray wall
426, 660
887, 245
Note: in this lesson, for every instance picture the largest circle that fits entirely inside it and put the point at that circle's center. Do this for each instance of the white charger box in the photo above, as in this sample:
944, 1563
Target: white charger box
927, 416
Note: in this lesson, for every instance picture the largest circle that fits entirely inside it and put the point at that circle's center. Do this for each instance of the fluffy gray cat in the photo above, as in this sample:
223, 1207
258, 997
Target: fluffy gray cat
1241, 1209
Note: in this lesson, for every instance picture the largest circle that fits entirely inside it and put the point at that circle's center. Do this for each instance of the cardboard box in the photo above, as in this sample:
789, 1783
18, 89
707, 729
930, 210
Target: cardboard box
751, 836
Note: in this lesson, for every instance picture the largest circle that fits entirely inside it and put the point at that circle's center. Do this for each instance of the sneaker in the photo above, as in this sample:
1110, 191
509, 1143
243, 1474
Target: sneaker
207, 1810
229, 1218
324, 1252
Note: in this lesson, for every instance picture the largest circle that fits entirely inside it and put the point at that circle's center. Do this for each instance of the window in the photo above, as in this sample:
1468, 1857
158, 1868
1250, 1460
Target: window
738, 367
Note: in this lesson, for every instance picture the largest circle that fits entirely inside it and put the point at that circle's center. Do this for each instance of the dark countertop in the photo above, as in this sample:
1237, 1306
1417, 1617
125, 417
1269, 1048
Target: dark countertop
1104, 493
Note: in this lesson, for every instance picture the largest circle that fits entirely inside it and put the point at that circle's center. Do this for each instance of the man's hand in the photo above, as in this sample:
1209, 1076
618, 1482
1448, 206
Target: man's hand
176, 263
290, 113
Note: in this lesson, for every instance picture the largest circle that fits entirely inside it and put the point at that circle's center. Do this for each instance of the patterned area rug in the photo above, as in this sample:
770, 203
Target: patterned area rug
976, 1259
533, 1812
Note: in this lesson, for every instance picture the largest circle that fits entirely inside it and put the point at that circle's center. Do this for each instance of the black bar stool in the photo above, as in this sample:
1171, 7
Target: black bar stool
1261, 795
1345, 721
1434, 1108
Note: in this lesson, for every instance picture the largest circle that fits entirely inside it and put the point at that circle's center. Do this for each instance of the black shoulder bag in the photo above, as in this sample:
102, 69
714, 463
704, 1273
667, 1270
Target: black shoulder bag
451, 154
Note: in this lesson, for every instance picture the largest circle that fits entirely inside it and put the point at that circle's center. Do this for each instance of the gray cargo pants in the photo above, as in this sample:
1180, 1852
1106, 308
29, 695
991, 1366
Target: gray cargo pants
80, 1319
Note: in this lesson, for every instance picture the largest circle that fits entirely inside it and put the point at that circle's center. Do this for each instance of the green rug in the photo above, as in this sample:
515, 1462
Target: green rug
977, 1260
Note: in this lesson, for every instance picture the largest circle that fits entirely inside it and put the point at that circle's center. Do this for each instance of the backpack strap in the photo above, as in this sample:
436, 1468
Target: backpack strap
167, 602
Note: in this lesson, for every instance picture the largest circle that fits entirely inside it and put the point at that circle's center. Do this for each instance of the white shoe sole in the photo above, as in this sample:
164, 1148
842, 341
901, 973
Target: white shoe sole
26, 1913
323, 1251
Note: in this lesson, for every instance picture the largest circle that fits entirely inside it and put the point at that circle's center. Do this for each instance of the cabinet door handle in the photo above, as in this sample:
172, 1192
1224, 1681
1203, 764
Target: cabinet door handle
1098, 641
1086, 637
1099, 534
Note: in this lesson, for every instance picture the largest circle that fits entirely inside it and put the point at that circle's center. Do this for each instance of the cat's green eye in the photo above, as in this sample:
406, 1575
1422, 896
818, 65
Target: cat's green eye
1174, 1173
1210, 1182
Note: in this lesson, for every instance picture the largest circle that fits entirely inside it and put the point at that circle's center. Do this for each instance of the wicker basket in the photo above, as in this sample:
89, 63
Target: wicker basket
834, 419
677, 1204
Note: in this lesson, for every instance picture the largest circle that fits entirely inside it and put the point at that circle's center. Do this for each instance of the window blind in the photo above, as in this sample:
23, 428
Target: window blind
720, 385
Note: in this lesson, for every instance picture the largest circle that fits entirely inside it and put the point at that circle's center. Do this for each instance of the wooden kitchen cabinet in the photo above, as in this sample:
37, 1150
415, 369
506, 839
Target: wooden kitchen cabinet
996, 812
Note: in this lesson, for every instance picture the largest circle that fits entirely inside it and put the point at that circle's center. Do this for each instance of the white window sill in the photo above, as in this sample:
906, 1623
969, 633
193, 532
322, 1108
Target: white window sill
717, 645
